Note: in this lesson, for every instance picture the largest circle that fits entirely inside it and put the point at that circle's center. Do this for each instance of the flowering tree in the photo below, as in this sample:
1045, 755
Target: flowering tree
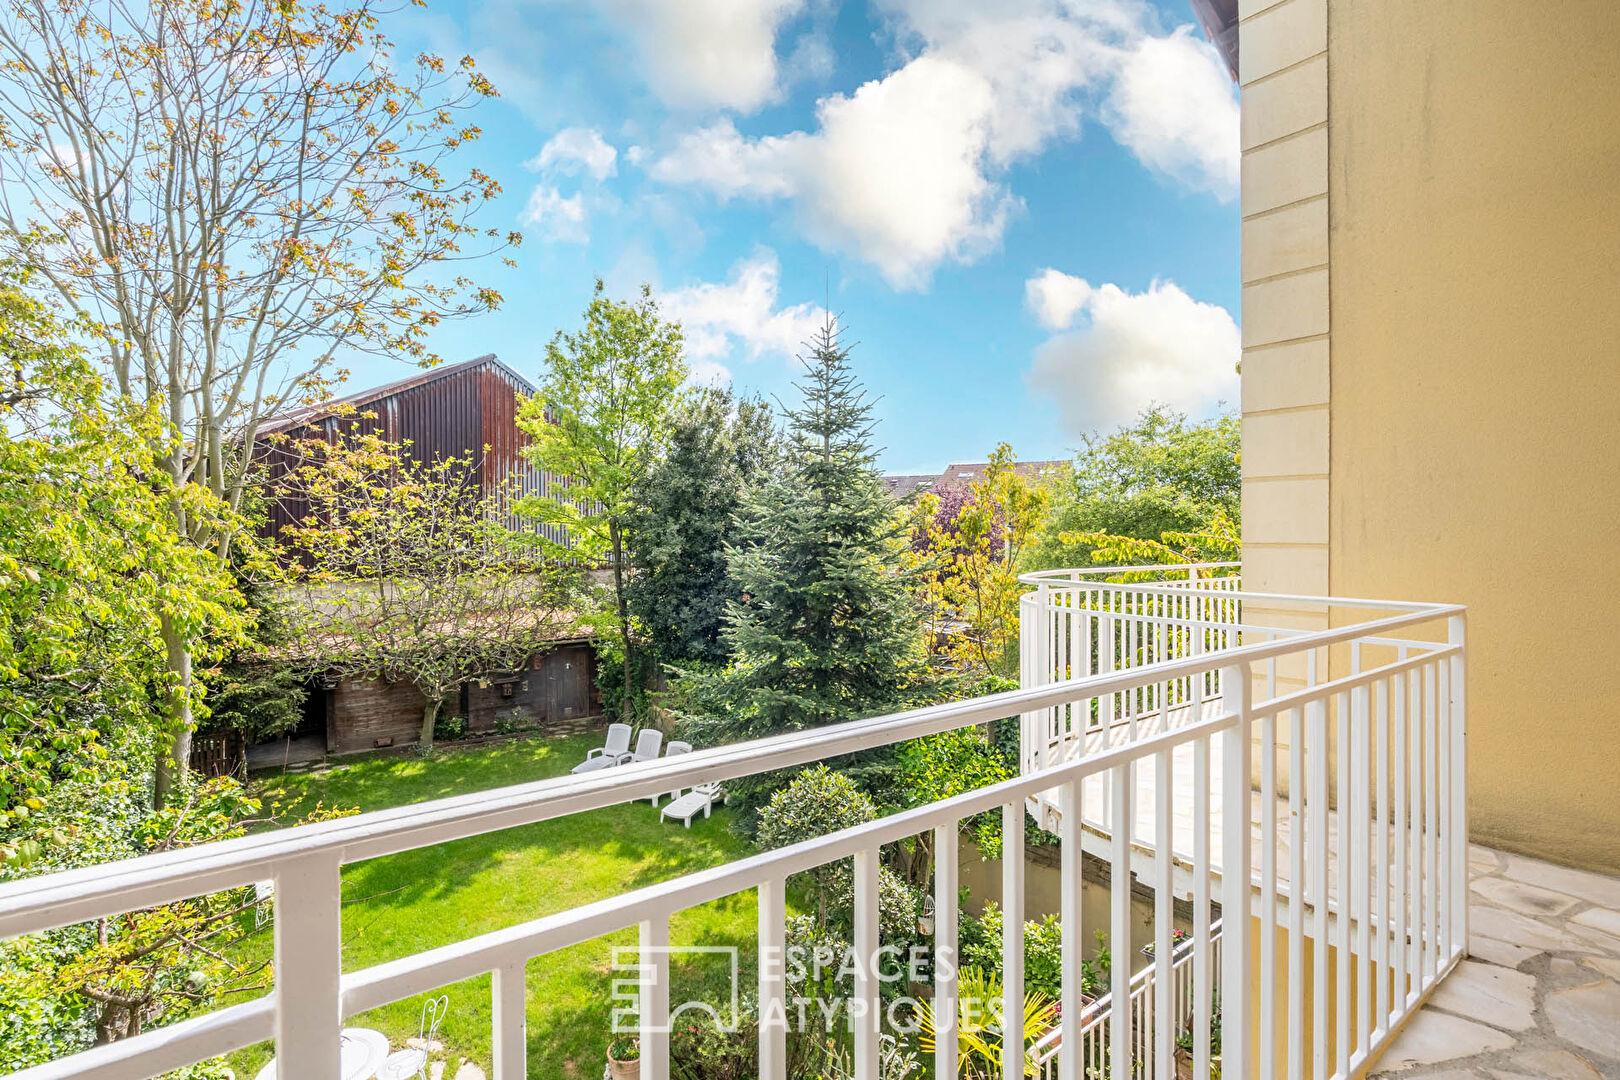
227, 195
968, 560
404, 570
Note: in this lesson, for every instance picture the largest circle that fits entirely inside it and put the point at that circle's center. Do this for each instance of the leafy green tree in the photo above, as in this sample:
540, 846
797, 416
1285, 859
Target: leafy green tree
95, 579
967, 562
1158, 475
404, 570
826, 628
953, 763
720, 448
254, 689
95, 582
601, 418
1043, 953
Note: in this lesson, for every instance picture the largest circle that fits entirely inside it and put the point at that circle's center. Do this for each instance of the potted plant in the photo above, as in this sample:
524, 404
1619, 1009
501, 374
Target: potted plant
1184, 1045
624, 1058
1178, 938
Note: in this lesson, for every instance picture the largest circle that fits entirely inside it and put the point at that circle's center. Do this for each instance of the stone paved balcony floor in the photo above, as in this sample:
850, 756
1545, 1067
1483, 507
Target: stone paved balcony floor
1539, 995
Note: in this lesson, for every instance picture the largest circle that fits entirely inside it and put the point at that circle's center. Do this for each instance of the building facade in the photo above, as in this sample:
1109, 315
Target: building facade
1431, 380
466, 411
555, 693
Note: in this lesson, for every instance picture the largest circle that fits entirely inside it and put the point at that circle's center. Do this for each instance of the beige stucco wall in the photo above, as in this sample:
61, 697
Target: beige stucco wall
1473, 413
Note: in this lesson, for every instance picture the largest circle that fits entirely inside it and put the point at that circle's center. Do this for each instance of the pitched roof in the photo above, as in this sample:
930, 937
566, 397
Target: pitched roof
307, 414
962, 474
903, 487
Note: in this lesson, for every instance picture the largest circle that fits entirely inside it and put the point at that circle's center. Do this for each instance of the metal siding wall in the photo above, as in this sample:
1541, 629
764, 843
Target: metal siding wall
455, 416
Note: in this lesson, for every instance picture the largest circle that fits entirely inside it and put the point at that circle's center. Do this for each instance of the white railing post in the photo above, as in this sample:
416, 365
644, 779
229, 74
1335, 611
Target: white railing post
946, 1040
772, 980
1236, 981
309, 965
1119, 943
1071, 1066
1201, 965
1457, 635
864, 1004
1046, 727
509, 1034
1317, 855
654, 998
1028, 619
1012, 941
1164, 833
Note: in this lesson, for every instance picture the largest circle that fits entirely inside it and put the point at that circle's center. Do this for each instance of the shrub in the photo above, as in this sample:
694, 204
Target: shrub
449, 727
817, 802
1043, 953
512, 721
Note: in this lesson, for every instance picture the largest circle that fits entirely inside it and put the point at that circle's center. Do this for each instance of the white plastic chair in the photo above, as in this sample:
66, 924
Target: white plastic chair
675, 749
648, 743
264, 895
610, 753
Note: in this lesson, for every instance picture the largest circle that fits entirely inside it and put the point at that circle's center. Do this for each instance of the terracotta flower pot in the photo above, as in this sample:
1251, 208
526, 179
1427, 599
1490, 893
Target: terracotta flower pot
624, 1070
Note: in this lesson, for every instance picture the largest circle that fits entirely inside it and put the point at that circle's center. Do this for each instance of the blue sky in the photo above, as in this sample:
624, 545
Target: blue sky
1024, 210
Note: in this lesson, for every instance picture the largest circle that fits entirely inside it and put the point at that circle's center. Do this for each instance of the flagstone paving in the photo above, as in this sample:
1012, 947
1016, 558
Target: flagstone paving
1539, 996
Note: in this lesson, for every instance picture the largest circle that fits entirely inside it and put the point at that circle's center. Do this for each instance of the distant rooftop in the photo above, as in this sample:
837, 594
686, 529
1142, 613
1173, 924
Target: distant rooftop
963, 474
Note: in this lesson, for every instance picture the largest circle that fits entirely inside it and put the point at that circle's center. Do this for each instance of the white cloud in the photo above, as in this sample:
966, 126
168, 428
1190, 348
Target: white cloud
908, 171
557, 218
1056, 297
741, 313
721, 160
1172, 106
706, 53
707, 371
1130, 350
574, 150
892, 176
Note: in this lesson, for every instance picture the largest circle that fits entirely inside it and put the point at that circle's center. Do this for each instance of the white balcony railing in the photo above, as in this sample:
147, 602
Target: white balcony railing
1363, 768
1094, 1021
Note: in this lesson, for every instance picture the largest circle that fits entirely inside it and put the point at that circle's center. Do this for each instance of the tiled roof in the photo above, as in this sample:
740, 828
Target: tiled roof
961, 474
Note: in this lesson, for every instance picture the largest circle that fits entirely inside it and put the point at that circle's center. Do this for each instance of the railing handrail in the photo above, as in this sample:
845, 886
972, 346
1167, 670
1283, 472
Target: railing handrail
33, 904
1069, 575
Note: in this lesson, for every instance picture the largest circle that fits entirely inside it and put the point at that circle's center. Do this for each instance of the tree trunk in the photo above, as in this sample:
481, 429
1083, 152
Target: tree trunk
430, 713
627, 703
176, 758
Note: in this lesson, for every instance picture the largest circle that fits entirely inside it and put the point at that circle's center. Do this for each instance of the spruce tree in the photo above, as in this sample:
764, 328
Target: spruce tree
825, 629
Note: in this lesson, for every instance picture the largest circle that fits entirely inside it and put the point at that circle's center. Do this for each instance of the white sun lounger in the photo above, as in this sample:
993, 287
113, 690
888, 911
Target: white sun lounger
699, 800
675, 749
612, 752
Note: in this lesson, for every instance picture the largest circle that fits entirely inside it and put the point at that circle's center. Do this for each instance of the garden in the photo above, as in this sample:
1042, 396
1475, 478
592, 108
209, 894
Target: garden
407, 903
416, 900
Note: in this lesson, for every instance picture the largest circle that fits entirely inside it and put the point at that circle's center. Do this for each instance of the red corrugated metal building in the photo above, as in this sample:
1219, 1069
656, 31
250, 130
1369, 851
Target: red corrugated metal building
452, 411
466, 410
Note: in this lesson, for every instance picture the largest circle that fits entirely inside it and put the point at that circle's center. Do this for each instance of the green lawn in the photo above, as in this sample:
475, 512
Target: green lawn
405, 903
